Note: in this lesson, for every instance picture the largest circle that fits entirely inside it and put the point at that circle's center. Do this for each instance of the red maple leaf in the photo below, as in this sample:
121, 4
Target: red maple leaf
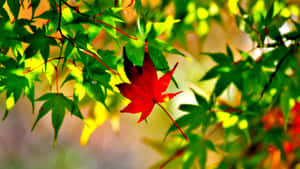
145, 89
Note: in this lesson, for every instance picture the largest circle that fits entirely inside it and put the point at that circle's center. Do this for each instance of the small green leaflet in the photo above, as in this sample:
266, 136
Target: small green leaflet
14, 82
58, 104
197, 149
197, 115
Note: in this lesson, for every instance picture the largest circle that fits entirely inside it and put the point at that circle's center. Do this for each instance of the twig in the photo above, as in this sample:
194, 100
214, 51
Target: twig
99, 60
272, 76
176, 155
56, 79
99, 21
131, 3
71, 40
213, 131
182, 150
56, 5
181, 131
49, 60
73, 63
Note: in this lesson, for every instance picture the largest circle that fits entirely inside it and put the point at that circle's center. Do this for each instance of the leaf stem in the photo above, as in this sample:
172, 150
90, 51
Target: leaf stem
56, 79
49, 60
181, 131
56, 5
131, 3
213, 131
117, 29
272, 76
99, 60
173, 157
71, 40
99, 21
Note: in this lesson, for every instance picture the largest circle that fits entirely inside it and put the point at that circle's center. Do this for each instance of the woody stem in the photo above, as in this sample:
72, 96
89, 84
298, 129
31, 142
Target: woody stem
99, 60
213, 131
49, 60
56, 79
176, 155
181, 131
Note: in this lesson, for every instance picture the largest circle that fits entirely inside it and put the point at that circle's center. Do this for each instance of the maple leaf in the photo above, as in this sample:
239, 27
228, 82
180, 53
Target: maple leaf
146, 89
57, 103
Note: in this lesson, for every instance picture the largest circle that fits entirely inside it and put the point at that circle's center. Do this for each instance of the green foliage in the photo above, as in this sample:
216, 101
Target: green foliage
58, 104
65, 46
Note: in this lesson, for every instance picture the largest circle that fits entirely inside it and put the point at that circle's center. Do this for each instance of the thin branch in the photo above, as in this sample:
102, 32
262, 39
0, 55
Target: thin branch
131, 3
181, 131
173, 157
99, 21
71, 40
73, 63
213, 131
99, 60
49, 60
272, 76
117, 29
56, 79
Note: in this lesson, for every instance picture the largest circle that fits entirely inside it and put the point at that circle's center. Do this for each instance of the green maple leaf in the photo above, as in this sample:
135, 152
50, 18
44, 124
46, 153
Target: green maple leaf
197, 150
196, 115
58, 104
38, 42
13, 81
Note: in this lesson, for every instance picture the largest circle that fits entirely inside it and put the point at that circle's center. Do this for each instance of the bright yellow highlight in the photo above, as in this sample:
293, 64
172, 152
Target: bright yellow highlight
230, 121
191, 7
213, 9
292, 102
188, 58
37, 64
273, 91
166, 99
203, 28
285, 13
67, 14
259, 6
33, 62
76, 72
243, 124
92, 123
166, 26
222, 116
294, 10
202, 13
233, 6
278, 6
10, 102
79, 91
190, 18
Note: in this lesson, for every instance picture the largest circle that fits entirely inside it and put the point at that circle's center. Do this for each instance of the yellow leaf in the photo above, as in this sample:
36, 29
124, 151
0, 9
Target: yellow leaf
10, 102
233, 6
202, 13
231, 121
243, 124
92, 123
79, 91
